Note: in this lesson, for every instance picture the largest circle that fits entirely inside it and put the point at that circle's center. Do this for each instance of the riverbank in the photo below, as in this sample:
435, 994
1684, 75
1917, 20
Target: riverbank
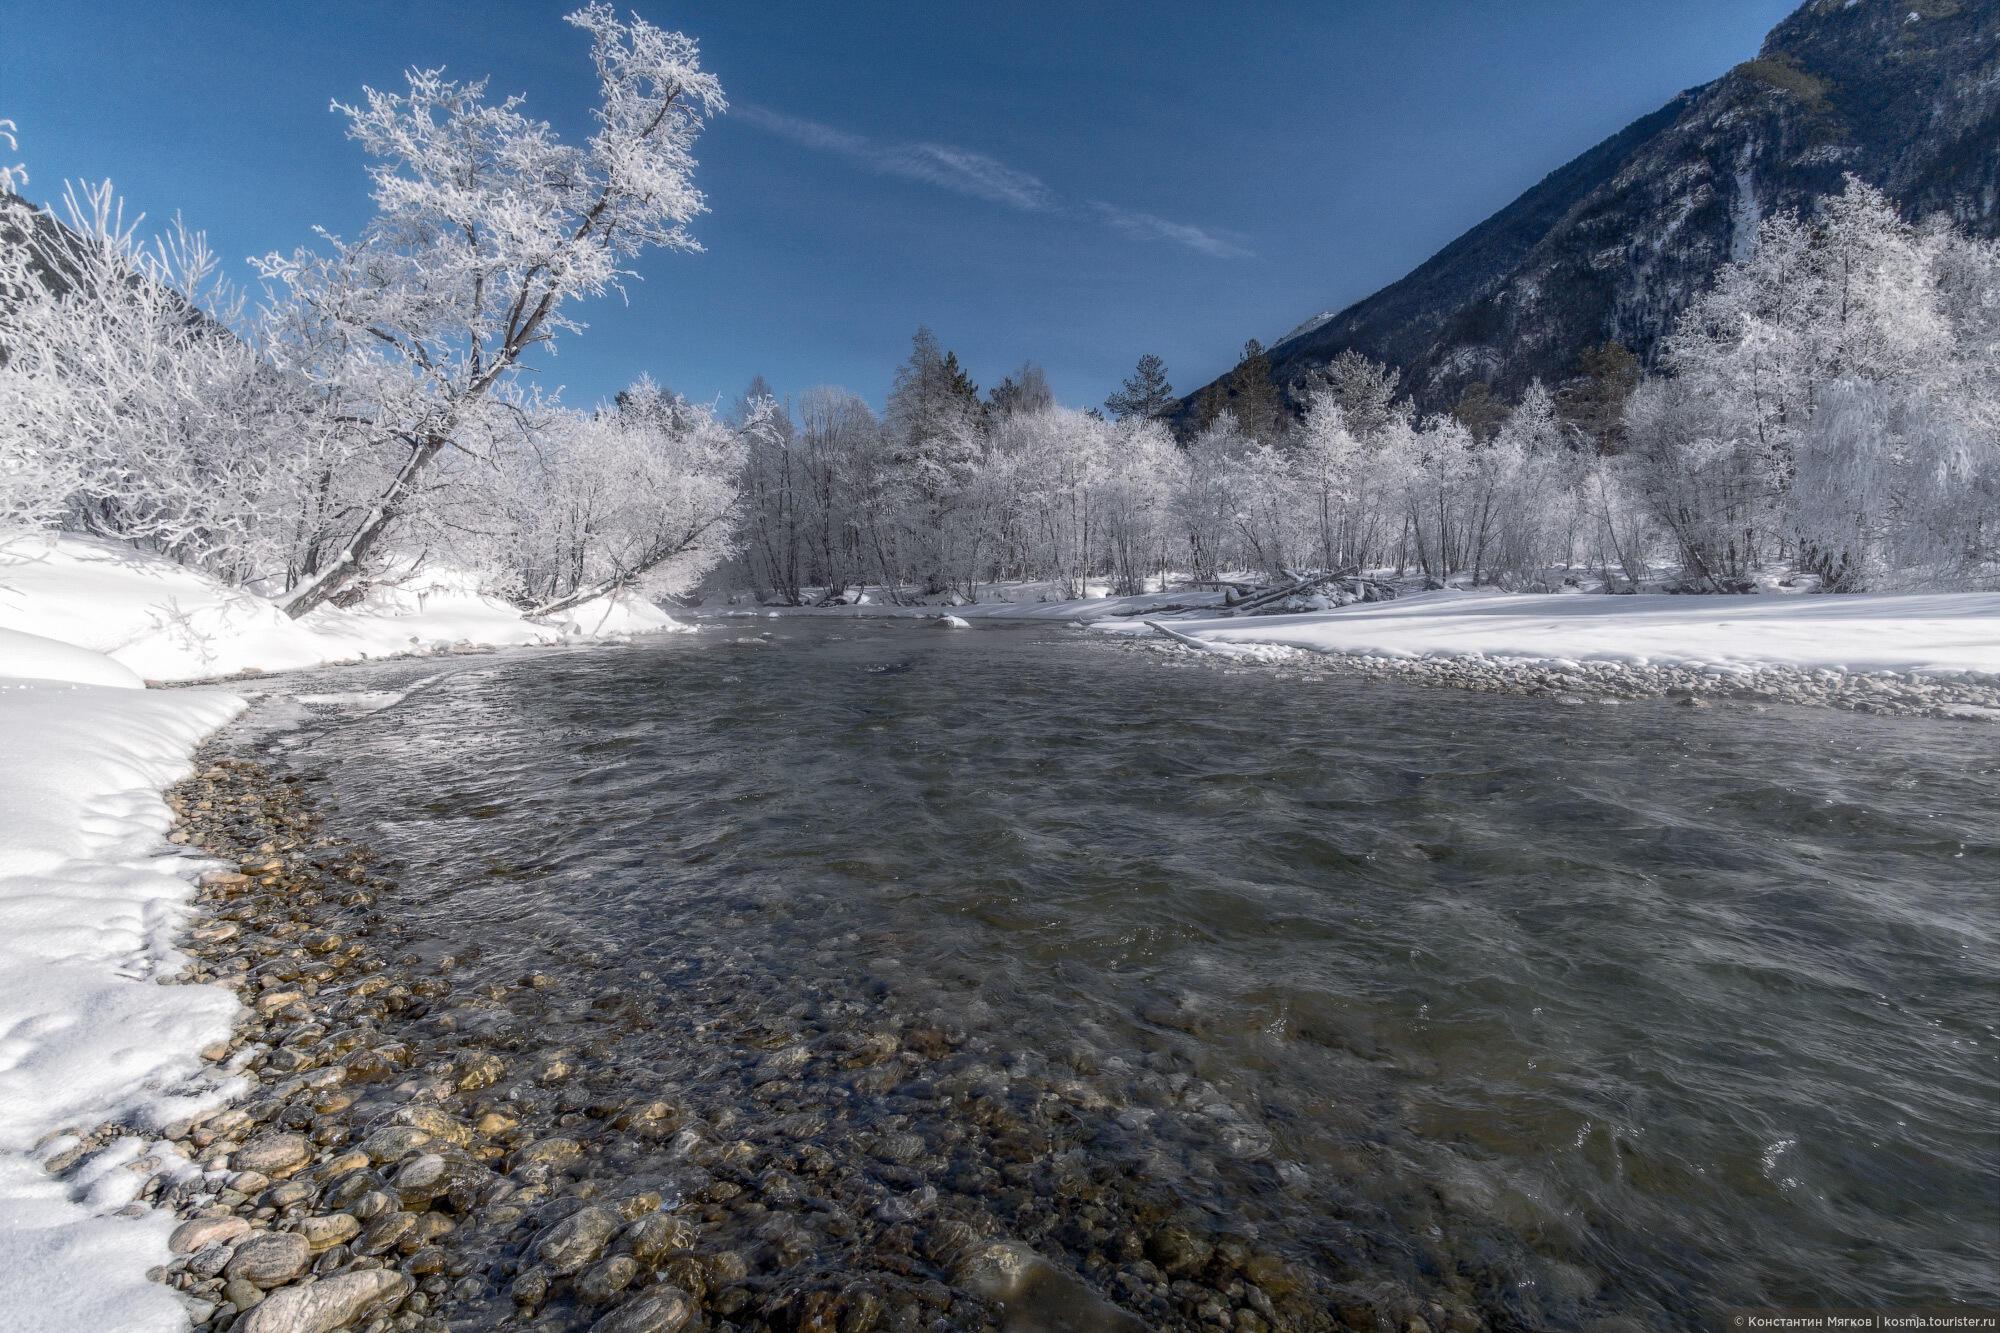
406, 1151
91, 910
96, 1055
169, 624
1915, 655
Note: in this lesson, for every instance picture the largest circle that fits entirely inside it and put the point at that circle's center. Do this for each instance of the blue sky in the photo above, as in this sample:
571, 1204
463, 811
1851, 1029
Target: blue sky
1072, 183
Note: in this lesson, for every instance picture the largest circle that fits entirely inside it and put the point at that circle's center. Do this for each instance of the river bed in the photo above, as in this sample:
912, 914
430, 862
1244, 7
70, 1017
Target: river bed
1562, 1016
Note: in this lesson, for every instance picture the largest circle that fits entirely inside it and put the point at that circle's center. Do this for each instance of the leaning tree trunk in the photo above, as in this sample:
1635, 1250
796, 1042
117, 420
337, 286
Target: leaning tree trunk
387, 508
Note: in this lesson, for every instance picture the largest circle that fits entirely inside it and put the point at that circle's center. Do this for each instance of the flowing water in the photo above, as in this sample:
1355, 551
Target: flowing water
1586, 1012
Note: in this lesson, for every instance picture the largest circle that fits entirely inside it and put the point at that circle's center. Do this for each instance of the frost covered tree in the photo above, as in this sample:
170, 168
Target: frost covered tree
639, 497
129, 409
774, 499
1363, 389
488, 230
1339, 483
932, 435
1831, 403
1201, 502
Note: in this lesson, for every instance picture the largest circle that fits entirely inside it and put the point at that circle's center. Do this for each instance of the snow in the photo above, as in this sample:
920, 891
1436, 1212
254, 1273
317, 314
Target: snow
32, 657
165, 622
89, 901
88, 911
1937, 634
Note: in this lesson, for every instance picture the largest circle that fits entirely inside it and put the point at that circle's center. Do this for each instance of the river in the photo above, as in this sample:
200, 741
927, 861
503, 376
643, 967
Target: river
1581, 1014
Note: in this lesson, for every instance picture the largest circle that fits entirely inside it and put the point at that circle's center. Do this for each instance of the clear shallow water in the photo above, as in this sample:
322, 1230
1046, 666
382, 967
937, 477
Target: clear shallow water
1591, 1011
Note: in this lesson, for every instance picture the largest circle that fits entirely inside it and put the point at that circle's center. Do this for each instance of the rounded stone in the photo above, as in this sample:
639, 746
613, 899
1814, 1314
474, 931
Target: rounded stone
200, 1232
660, 1310
274, 1155
577, 1239
604, 1280
330, 1303
653, 1237
323, 1233
270, 1259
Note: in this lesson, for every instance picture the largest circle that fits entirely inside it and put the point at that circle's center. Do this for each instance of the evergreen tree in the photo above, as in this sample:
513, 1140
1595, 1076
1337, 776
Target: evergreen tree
1253, 395
1594, 402
1363, 389
1211, 403
1146, 392
933, 432
1480, 411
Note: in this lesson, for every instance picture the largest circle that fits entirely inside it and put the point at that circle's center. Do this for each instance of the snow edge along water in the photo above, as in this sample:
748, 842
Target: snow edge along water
92, 901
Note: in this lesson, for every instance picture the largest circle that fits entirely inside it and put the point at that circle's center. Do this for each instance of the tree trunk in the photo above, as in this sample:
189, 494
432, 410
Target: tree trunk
387, 508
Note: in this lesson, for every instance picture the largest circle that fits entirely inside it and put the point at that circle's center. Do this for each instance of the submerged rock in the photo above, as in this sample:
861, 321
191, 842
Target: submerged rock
661, 1310
328, 1304
577, 1239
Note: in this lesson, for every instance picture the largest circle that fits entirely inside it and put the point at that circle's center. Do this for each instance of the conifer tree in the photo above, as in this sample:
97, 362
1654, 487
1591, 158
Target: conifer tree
1146, 392
1253, 394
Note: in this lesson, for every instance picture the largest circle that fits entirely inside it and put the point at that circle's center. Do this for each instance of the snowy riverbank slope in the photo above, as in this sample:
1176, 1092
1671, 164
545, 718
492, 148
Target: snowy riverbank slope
91, 900
89, 909
170, 623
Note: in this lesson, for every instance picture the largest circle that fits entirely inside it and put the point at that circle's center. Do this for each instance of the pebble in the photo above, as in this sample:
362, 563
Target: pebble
328, 1304
661, 1310
577, 1239
323, 1233
200, 1232
271, 1258
387, 1101
273, 1155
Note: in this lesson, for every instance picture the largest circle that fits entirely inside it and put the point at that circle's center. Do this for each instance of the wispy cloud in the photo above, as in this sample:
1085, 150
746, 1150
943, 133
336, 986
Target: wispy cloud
970, 173
1147, 226
967, 172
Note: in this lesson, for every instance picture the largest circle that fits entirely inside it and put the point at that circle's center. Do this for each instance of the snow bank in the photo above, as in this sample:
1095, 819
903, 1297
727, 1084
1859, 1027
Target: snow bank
32, 657
88, 906
88, 910
1942, 634
169, 623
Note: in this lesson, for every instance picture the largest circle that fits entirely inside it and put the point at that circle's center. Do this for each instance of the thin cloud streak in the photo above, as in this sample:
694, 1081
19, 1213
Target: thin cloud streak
964, 171
1148, 226
956, 169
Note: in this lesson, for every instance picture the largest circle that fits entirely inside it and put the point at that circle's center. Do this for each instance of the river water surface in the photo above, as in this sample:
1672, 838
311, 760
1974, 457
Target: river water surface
1585, 1013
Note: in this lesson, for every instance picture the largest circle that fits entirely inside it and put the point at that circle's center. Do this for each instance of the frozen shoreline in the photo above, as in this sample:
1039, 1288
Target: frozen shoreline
91, 906
97, 1055
1928, 654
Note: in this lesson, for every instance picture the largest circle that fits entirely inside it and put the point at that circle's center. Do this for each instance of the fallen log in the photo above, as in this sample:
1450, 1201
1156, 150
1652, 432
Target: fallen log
1178, 637
1291, 589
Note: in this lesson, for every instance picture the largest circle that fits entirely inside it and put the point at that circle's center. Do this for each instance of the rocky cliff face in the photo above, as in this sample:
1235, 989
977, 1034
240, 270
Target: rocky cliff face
1903, 93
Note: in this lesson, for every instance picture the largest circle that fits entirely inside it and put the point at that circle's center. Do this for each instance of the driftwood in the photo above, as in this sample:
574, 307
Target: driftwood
1299, 583
1161, 609
1271, 601
1244, 600
1178, 637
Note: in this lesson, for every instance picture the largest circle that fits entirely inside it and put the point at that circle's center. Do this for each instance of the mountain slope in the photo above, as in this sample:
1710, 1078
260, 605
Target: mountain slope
1613, 245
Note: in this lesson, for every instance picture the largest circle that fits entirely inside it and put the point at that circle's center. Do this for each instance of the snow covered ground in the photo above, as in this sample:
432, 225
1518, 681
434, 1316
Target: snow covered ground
92, 896
1947, 635
1933, 634
89, 907
170, 623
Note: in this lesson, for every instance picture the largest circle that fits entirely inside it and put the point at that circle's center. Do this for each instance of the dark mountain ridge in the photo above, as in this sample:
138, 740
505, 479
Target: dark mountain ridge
1614, 245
